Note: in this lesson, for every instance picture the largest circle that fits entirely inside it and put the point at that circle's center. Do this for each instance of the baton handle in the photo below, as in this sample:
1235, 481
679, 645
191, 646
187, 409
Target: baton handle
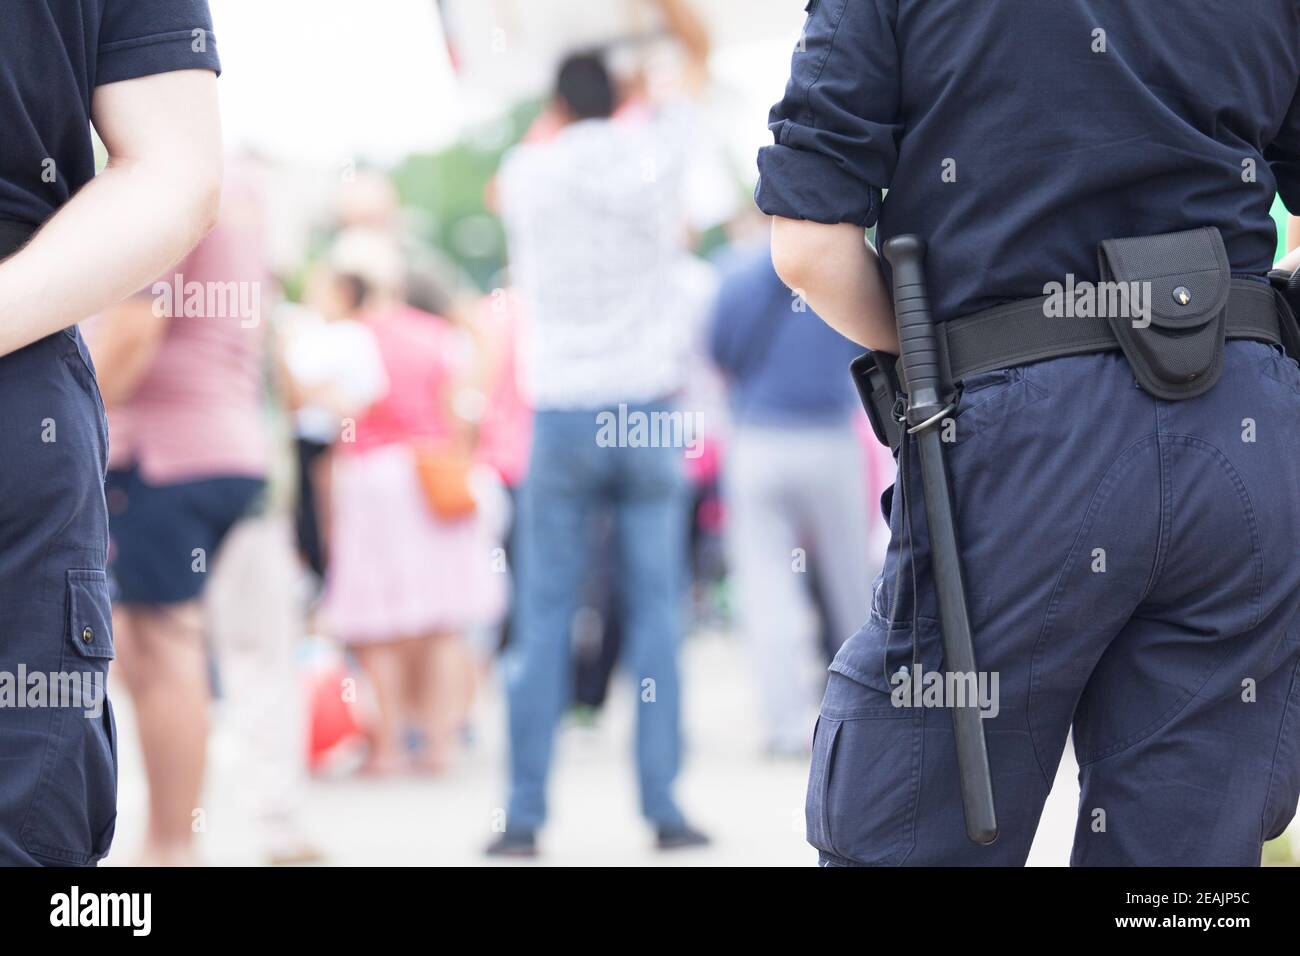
916, 339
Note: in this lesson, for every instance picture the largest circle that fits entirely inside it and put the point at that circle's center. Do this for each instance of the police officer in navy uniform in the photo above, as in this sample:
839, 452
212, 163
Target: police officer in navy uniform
1129, 536
143, 73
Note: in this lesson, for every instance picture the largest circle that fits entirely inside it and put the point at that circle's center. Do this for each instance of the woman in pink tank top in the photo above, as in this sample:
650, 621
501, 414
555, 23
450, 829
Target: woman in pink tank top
404, 584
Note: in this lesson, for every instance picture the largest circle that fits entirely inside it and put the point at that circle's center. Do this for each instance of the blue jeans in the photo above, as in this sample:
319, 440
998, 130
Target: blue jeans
570, 475
1133, 576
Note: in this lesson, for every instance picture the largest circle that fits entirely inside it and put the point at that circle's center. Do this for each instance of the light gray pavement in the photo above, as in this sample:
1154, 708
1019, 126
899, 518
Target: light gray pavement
753, 807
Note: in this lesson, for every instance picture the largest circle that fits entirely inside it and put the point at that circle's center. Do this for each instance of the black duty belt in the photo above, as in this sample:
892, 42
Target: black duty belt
1021, 332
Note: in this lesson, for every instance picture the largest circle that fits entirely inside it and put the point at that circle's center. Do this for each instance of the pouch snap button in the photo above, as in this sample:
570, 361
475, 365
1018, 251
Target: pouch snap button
1183, 295
87, 635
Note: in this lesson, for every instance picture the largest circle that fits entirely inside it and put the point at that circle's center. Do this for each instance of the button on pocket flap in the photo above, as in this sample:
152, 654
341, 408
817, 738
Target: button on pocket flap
872, 657
90, 615
1186, 273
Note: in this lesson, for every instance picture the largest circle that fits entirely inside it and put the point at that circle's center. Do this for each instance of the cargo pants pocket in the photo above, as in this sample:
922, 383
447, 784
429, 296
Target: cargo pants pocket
864, 781
74, 811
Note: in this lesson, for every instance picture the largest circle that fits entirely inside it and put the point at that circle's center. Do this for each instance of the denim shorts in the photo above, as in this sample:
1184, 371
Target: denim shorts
164, 536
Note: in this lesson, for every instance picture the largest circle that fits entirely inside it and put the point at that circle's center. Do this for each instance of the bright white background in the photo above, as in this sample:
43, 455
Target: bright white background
323, 82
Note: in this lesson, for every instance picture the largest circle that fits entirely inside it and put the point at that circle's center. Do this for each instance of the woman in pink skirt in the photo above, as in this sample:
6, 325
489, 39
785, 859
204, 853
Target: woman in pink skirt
404, 584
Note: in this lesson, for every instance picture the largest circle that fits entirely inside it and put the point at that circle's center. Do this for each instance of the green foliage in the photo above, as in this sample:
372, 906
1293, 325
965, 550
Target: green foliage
451, 186
1280, 217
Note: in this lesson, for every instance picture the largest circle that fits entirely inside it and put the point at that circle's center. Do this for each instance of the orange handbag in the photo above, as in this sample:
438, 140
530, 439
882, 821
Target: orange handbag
444, 479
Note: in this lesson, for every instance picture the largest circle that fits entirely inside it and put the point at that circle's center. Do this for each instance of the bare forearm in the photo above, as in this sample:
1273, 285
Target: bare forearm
685, 24
135, 220
838, 274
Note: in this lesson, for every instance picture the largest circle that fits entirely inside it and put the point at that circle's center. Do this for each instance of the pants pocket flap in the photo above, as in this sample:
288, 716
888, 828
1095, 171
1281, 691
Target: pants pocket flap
873, 658
90, 620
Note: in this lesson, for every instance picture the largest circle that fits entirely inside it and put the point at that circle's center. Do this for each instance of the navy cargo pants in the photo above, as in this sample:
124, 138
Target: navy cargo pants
1133, 574
58, 774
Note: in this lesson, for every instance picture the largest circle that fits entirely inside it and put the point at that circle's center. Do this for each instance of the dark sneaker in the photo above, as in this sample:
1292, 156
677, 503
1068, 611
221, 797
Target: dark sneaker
514, 844
680, 836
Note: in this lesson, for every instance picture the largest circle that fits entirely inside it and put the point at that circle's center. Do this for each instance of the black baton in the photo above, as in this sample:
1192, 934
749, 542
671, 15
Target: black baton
926, 407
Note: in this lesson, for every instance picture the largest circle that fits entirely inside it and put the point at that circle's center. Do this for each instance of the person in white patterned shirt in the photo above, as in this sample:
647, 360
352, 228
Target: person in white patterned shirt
597, 239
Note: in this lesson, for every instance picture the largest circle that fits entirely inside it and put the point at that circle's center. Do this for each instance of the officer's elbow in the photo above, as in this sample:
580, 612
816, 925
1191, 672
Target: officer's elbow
190, 197
206, 202
813, 258
794, 251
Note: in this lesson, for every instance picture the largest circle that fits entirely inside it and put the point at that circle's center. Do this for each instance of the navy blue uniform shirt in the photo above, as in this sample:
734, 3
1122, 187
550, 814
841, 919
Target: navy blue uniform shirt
53, 53
1015, 135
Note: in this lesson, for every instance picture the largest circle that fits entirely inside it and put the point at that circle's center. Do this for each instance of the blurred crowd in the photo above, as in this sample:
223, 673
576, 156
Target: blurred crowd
346, 497
342, 498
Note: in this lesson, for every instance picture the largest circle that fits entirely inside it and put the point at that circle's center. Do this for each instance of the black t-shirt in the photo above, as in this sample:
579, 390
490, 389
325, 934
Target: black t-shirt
53, 53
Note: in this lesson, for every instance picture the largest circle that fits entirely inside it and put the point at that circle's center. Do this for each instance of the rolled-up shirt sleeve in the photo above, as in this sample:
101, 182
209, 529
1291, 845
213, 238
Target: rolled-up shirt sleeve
837, 127
144, 37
